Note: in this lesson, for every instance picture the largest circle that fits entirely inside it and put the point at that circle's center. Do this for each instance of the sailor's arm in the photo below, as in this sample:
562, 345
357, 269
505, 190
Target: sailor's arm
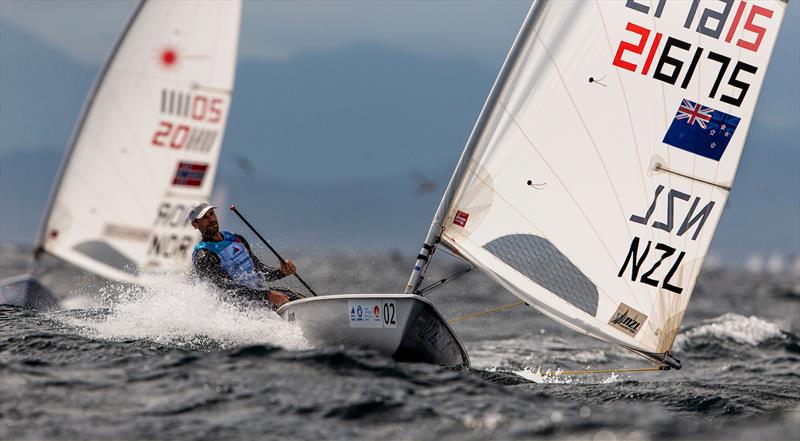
287, 268
208, 266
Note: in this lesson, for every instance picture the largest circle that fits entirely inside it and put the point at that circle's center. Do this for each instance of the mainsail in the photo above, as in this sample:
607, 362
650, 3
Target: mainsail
147, 142
597, 172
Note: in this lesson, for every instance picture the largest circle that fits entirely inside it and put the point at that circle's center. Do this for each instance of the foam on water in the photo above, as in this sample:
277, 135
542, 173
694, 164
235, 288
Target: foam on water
556, 377
173, 311
745, 330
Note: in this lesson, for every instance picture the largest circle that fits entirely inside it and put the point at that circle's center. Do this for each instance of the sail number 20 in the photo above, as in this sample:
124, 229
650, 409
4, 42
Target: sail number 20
183, 136
195, 110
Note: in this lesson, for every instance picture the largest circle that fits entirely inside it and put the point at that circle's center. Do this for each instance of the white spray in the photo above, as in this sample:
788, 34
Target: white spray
172, 310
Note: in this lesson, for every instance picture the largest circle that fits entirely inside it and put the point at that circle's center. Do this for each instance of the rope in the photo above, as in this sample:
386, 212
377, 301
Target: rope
488, 311
437, 285
451, 254
602, 371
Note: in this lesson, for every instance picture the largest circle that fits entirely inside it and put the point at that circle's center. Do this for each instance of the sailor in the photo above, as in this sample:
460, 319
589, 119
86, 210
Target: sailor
225, 259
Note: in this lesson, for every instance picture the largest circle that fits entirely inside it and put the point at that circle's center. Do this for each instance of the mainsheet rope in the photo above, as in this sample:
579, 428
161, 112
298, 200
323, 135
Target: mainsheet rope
602, 371
488, 311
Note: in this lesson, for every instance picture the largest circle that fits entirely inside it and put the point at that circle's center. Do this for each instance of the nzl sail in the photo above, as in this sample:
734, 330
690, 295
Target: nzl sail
598, 170
147, 142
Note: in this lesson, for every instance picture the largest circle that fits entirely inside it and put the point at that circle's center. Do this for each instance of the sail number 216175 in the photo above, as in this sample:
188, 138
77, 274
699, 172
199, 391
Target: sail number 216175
679, 60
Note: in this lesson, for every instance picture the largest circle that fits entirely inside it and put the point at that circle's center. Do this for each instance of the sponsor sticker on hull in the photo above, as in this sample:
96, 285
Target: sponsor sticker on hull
374, 313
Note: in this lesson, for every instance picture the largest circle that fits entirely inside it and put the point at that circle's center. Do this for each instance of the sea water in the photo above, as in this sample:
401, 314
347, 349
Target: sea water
176, 361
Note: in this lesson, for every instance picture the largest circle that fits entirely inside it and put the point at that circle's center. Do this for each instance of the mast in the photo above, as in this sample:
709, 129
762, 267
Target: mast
489, 107
76, 133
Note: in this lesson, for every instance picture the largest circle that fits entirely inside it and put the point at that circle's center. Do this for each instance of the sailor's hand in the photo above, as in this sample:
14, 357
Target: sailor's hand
276, 298
288, 268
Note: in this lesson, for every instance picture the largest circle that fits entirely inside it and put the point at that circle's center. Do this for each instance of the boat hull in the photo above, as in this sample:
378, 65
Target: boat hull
403, 326
26, 291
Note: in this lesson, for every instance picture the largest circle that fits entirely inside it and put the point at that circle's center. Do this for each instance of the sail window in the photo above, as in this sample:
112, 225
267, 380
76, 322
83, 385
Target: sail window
105, 253
539, 260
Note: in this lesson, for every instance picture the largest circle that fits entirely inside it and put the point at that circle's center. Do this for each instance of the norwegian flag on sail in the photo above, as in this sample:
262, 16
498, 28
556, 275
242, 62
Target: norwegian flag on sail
190, 174
701, 130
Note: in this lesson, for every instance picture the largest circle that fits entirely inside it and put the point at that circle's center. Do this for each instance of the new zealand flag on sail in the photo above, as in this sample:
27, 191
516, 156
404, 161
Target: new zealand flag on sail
701, 130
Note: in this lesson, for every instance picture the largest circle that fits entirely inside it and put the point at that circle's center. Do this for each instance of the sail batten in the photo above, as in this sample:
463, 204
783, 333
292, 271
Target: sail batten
597, 173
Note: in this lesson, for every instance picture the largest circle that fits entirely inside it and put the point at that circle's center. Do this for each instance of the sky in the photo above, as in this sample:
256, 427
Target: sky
289, 33
471, 37
482, 30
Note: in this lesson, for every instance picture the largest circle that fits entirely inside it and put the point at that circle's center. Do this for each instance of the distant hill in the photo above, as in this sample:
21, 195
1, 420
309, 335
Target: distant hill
363, 111
385, 212
329, 149
41, 91
25, 181
335, 143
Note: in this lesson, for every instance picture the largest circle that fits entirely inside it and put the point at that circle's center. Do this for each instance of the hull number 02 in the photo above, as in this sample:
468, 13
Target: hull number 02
389, 313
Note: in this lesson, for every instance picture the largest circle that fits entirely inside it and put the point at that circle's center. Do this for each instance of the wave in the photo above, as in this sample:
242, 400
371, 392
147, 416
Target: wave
735, 328
172, 311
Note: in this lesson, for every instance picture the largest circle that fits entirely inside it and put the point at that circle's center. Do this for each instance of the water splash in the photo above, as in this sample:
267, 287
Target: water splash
556, 377
173, 311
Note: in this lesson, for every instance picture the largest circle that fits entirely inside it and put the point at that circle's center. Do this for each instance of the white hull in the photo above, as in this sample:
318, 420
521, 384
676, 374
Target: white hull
403, 326
26, 291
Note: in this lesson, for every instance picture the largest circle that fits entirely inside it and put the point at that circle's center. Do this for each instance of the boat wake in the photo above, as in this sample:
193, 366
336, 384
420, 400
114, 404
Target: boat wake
173, 312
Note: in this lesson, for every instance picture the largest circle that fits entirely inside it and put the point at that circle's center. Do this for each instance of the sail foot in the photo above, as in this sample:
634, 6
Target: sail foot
671, 362
665, 360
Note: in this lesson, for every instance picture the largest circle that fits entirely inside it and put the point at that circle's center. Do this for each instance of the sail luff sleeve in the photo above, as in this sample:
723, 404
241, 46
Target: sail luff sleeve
475, 138
76, 133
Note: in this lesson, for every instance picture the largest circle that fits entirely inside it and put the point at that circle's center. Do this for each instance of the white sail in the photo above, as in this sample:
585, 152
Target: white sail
147, 142
595, 178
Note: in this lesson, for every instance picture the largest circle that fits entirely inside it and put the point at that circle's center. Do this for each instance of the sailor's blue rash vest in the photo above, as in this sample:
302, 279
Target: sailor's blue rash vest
235, 260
